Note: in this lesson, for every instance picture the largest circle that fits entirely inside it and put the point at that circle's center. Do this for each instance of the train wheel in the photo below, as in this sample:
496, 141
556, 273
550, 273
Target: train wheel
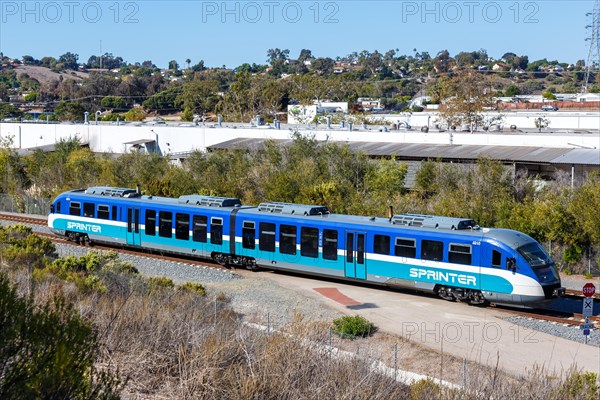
446, 293
219, 258
477, 299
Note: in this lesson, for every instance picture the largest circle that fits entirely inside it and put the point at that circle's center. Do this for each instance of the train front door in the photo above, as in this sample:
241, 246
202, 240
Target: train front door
356, 263
133, 226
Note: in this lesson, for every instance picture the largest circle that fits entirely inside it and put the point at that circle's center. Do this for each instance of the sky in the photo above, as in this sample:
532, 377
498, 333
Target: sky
233, 32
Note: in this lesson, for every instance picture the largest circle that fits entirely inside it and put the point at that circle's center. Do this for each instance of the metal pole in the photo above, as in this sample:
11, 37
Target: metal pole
395, 360
442, 359
330, 343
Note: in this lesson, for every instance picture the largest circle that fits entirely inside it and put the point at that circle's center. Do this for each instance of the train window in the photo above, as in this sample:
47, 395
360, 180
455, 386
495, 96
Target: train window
199, 230
58, 207
349, 247
405, 248
75, 208
266, 239
248, 235
460, 254
150, 222
136, 220
114, 213
360, 248
309, 242
330, 244
496, 259
88, 210
432, 250
381, 244
216, 230
129, 219
287, 239
182, 226
103, 212
165, 224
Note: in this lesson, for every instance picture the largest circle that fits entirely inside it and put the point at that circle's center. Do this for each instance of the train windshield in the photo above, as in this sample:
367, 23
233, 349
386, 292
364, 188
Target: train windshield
540, 262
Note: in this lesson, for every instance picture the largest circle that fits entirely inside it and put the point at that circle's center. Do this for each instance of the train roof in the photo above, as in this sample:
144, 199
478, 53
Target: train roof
302, 212
127, 193
416, 222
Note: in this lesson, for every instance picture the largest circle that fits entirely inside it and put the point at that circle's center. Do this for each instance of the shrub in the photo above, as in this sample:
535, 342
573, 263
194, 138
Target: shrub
49, 351
425, 389
135, 114
352, 326
573, 254
223, 298
579, 385
193, 288
24, 249
161, 281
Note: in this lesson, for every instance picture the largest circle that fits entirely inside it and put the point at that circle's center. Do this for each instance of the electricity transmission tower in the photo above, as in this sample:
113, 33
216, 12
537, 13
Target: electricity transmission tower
593, 61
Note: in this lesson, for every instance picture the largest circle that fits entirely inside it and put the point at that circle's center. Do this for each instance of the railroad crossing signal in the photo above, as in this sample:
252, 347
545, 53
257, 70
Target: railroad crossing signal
589, 289
586, 326
588, 307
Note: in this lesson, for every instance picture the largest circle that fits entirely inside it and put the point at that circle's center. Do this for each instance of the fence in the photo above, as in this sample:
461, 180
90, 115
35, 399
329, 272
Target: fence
24, 204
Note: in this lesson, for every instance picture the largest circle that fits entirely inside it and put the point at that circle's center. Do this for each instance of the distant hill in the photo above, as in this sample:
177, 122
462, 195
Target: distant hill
43, 74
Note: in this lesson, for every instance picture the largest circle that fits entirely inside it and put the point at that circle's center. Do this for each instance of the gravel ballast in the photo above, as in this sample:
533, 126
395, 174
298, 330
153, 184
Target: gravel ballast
569, 332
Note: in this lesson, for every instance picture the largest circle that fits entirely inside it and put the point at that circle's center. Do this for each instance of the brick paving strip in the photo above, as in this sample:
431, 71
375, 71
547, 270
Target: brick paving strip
335, 295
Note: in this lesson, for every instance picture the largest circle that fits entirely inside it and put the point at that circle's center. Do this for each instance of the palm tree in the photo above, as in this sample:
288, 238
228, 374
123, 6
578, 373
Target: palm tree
188, 62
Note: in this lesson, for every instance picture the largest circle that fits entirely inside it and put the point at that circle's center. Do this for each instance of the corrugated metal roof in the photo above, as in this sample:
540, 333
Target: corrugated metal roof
413, 151
579, 156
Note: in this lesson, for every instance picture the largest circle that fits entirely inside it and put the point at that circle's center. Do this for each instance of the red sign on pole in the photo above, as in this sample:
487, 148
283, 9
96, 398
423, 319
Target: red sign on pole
589, 289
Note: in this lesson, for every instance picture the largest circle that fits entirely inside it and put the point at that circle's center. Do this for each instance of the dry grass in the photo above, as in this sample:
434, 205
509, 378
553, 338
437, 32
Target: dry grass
173, 344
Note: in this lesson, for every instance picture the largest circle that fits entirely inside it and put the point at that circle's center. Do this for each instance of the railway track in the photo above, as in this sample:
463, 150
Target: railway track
23, 219
122, 250
546, 315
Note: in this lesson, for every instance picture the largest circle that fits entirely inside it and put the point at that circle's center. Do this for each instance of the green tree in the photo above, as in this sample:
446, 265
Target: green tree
173, 65
49, 352
164, 101
115, 102
10, 111
512, 90
69, 61
198, 95
472, 96
135, 114
69, 111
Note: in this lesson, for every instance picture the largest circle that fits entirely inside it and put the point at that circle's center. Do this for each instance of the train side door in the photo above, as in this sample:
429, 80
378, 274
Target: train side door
356, 263
133, 226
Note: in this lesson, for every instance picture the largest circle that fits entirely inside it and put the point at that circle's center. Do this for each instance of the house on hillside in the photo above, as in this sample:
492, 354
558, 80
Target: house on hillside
500, 67
303, 114
588, 97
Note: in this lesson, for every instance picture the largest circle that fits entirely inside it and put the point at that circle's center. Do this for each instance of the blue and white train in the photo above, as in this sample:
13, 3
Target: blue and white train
451, 257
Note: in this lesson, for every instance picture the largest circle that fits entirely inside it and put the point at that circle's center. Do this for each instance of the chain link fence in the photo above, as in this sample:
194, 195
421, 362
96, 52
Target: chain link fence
24, 204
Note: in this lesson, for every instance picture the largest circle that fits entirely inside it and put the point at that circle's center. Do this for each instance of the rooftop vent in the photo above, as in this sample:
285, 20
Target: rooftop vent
209, 201
112, 191
290, 208
434, 222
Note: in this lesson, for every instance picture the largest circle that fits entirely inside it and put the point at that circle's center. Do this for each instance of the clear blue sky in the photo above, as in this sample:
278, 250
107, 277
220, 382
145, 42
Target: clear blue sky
230, 33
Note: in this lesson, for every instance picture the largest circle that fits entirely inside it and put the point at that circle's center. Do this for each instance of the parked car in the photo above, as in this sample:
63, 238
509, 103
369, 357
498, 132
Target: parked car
549, 107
